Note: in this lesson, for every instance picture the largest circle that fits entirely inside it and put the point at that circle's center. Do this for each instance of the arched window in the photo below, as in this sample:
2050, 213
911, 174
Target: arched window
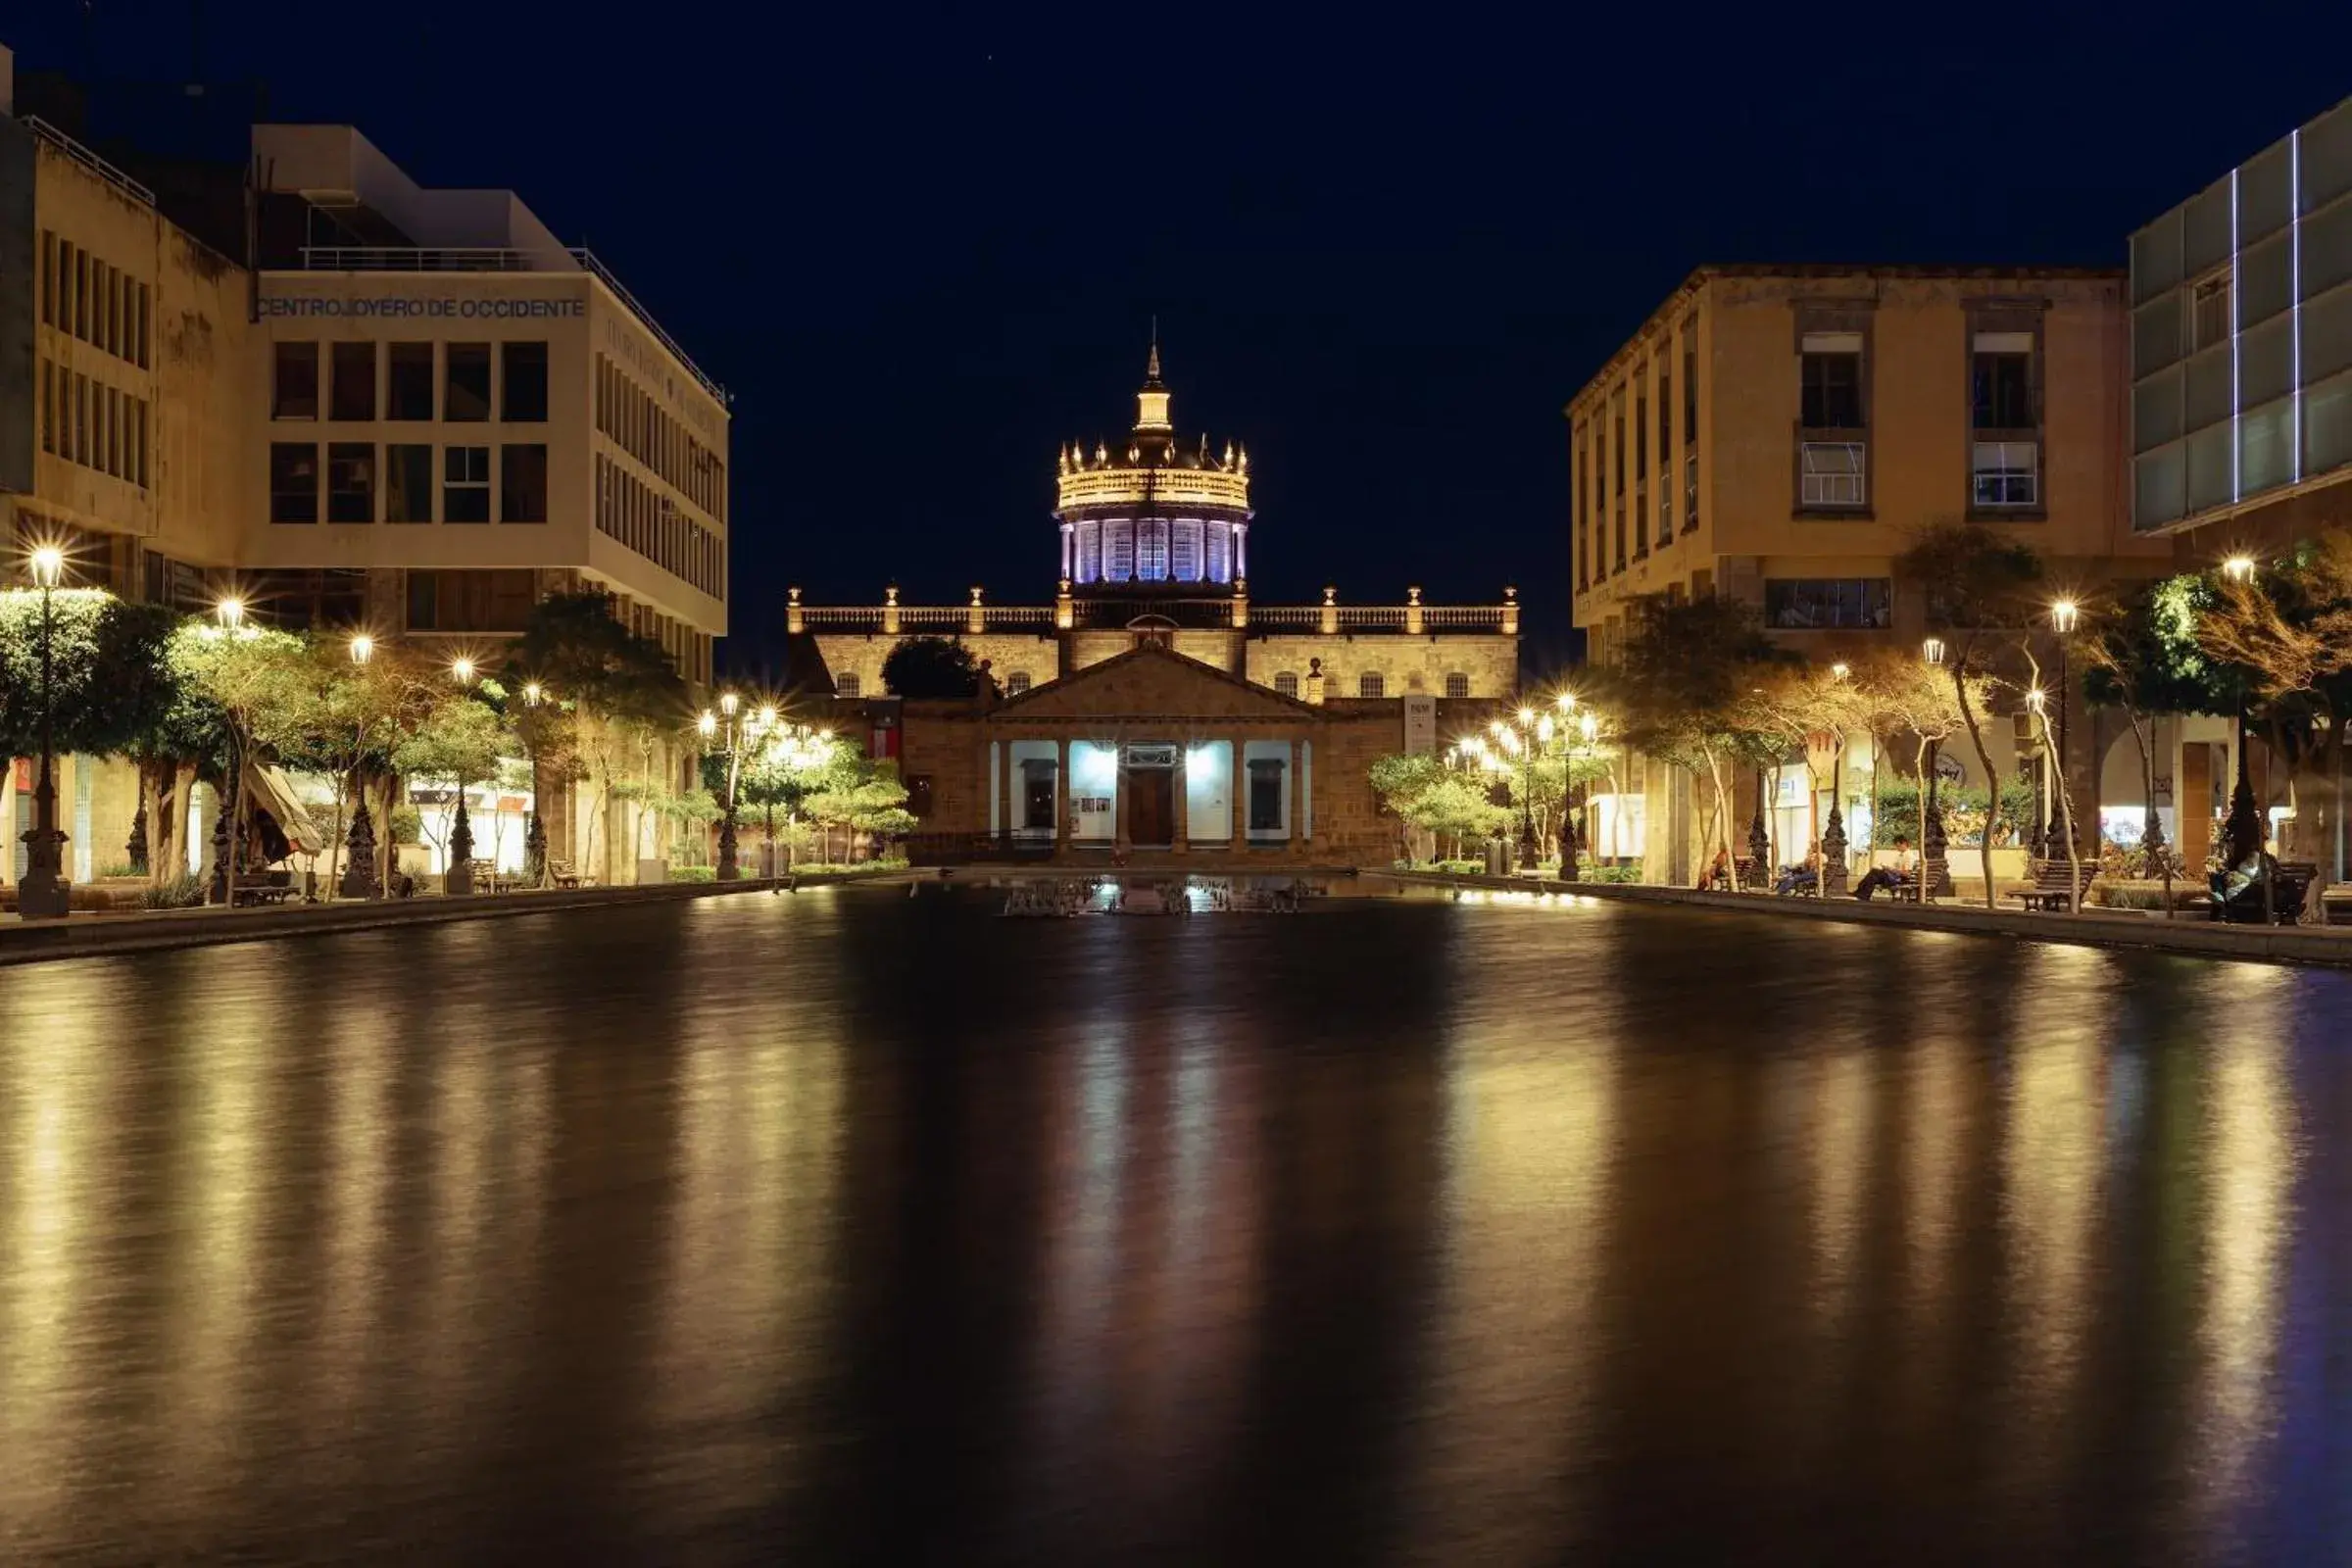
1371, 684
1016, 683
1287, 683
1457, 684
845, 685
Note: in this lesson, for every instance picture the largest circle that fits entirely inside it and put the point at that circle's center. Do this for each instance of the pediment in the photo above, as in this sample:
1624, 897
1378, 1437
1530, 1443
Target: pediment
1150, 681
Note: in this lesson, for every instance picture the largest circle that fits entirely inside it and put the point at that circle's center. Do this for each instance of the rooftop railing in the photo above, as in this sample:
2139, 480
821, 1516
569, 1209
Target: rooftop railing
501, 259
1101, 613
87, 159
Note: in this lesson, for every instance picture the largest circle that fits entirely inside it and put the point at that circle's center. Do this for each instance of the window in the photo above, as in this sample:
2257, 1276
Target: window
352, 391
1690, 489
845, 685
466, 484
2209, 310
1457, 685
295, 394
2005, 473
1118, 563
2002, 384
409, 483
1690, 381
48, 405
1371, 684
526, 382
1151, 551
293, 481
918, 795
351, 481
1640, 439
467, 398
523, 484
48, 255
1832, 382
1832, 473
409, 383
1583, 513
1016, 683
1286, 682
1815, 604
470, 600
1266, 794
1185, 552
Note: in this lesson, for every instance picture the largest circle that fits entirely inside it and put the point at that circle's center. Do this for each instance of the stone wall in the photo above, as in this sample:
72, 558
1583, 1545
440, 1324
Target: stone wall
863, 654
1405, 664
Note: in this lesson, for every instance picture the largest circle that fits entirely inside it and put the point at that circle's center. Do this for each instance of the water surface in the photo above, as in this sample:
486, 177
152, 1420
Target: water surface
853, 1227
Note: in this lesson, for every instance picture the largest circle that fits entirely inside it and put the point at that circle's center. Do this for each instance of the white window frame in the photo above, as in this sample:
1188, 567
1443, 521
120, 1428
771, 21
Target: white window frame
2005, 473
1834, 473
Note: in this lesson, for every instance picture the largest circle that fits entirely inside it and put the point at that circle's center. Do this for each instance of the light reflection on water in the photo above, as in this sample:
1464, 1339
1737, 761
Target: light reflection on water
860, 1226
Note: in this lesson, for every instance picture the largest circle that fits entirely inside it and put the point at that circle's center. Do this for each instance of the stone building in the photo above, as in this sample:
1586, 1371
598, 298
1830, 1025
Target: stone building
1153, 754
1153, 535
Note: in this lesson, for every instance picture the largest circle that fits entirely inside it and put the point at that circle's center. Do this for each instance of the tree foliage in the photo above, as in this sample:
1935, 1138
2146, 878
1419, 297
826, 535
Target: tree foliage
931, 667
113, 688
572, 645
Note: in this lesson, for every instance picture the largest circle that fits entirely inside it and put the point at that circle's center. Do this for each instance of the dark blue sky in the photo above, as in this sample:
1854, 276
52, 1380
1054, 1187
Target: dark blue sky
922, 245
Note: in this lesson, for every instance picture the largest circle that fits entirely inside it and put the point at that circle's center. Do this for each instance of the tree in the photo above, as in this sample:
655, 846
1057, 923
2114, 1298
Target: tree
251, 676
931, 667
621, 686
460, 740
1399, 780
2144, 656
1976, 585
1903, 689
1681, 683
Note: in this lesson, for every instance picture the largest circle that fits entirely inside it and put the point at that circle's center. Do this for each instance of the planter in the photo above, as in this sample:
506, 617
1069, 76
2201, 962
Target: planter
651, 872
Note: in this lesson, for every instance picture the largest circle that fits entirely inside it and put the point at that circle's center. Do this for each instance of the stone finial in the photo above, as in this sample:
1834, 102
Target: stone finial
890, 595
1331, 596
793, 620
975, 595
1412, 595
794, 594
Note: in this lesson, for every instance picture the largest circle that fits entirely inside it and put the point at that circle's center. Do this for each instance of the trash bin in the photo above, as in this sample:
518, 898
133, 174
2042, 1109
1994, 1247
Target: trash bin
1498, 858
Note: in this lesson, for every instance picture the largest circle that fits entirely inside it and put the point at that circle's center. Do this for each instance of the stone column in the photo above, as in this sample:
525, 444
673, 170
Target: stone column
1063, 795
1294, 785
1179, 802
1239, 791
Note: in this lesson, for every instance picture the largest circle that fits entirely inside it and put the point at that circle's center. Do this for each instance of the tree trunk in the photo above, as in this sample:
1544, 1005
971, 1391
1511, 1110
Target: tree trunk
334, 840
2065, 817
1721, 805
1992, 778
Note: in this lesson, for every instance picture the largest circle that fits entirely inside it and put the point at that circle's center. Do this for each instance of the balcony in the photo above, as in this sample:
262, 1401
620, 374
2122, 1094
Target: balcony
1833, 475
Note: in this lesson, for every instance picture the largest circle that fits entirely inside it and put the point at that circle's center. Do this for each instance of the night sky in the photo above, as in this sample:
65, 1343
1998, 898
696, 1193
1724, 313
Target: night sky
923, 246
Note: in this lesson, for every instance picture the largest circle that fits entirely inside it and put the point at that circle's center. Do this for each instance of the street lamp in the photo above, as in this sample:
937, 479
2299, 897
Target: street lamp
711, 725
230, 612
42, 893
229, 831
1832, 835
534, 832
2242, 832
359, 845
2064, 614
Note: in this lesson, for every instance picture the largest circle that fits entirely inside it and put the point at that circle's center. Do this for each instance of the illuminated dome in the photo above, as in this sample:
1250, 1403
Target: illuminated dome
1156, 509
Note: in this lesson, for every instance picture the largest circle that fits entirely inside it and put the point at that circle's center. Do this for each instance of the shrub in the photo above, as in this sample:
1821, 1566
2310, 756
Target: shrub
183, 892
694, 873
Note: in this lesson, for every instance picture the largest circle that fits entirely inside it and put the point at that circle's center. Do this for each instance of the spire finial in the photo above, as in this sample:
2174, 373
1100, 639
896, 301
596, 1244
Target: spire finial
1152, 365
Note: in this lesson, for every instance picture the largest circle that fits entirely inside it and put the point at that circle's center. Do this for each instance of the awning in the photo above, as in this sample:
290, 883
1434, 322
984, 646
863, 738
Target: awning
273, 792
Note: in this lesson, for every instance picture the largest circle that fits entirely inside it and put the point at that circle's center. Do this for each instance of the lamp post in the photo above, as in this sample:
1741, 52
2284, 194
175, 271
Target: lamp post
2064, 614
1833, 836
42, 894
359, 846
457, 881
1530, 852
534, 832
2242, 833
728, 870
228, 828
796, 748
1935, 871
2037, 703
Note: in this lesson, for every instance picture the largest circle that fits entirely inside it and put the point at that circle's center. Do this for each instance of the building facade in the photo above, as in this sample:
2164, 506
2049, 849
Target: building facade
1153, 540
349, 401
1781, 434
2241, 349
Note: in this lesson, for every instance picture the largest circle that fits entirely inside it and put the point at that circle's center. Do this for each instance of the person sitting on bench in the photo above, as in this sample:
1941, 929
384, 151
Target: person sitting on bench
1801, 878
1718, 875
1898, 875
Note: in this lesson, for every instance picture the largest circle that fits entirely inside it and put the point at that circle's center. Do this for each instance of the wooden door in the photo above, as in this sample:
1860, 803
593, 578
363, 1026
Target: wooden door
1151, 806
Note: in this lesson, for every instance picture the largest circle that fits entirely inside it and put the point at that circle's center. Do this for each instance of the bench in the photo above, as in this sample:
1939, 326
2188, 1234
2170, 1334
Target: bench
561, 874
271, 887
2053, 889
2293, 880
